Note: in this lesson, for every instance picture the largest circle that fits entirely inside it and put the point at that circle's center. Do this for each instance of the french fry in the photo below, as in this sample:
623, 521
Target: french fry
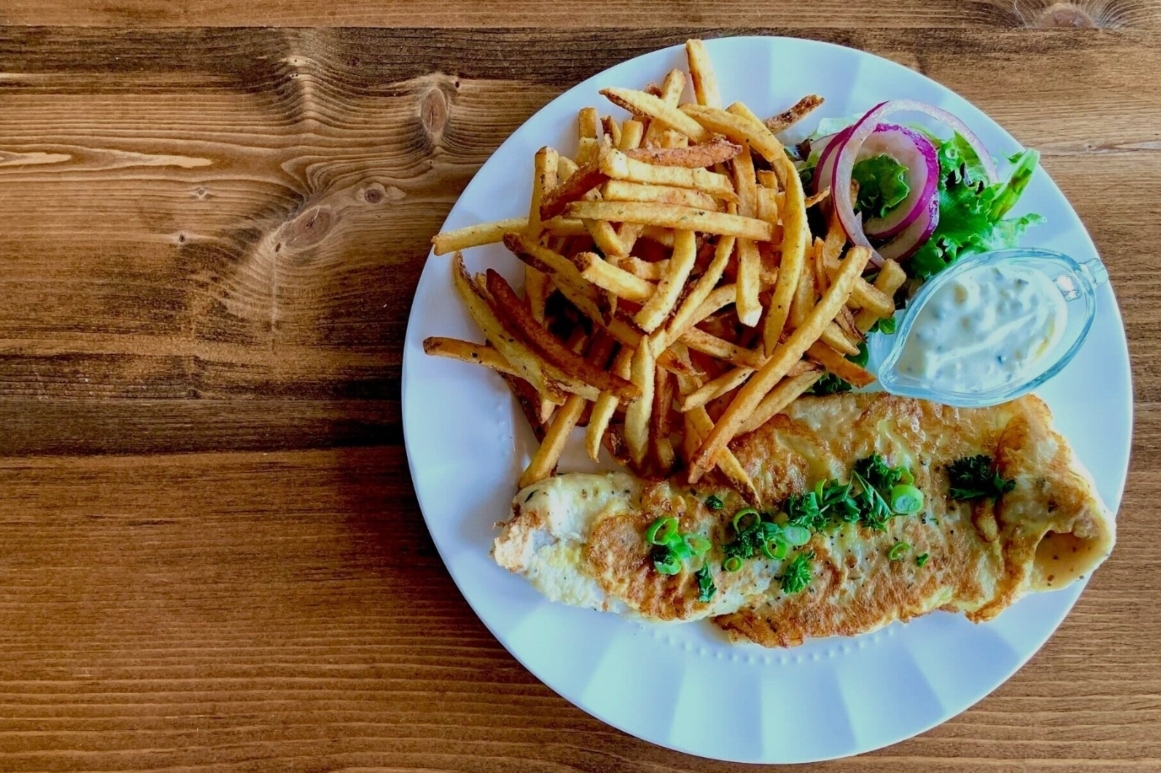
891, 278
794, 238
613, 279
839, 365
672, 216
739, 129
778, 365
588, 150
686, 316
804, 296
548, 454
521, 323
817, 198
476, 235
671, 89
701, 72
715, 388
619, 166
717, 300
733, 469
670, 139
780, 397
632, 132
703, 342
659, 429
846, 323
537, 411
817, 265
641, 373
588, 123
612, 129
530, 367
767, 179
564, 275
644, 269
656, 109
585, 179
655, 233
623, 190
833, 336
605, 237
749, 283
545, 164
716, 151
799, 110
562, 227
543, 180
605, 407
657, 308
865, 295
565, 168
466, 351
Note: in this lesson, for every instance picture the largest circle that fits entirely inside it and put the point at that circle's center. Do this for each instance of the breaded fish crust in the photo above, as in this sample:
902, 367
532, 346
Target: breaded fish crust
578, 538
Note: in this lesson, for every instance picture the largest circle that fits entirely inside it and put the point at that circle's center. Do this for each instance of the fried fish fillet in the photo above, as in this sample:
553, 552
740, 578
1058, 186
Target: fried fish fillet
579, 538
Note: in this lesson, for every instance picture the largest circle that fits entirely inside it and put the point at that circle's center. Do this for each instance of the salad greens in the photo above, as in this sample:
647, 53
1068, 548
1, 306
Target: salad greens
882, 185
971, 213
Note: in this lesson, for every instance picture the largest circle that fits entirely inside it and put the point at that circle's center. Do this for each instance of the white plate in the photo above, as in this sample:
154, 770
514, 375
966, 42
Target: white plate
684, 686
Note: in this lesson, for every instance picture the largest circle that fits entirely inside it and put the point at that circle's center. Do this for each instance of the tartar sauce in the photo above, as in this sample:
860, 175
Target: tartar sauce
989, 327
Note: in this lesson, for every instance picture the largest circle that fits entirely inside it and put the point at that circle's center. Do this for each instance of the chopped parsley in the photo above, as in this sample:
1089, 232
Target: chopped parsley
921, 559
755, 533
714, 502
875, 494
976, 477
797, 576
705, 584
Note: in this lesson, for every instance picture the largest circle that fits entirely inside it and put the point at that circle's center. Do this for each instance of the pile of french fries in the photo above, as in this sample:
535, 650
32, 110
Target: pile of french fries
674, 298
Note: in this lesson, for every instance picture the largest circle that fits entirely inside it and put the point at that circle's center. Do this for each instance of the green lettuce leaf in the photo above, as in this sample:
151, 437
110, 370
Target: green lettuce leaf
882, 185
971, 213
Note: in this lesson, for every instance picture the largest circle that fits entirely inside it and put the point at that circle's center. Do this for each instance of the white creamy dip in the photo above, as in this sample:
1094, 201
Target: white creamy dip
989, 327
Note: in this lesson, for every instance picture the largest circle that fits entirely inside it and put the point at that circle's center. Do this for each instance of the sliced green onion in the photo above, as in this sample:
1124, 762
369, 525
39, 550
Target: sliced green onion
906, 499
905, 476
661, 531
921, 559
698, 544
781, 549
819, 487
738, 516
732, 564
796, 536
679, 549
671, 565
714, 502
897, 550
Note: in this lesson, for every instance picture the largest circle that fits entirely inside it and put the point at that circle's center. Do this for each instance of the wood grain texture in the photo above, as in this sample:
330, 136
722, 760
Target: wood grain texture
209, 240
468, 14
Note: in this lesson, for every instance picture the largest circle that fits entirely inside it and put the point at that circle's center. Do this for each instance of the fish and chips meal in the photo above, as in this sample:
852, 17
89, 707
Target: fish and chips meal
697, 301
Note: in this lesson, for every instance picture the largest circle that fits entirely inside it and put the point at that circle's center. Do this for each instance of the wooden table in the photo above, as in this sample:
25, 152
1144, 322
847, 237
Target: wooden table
210, 232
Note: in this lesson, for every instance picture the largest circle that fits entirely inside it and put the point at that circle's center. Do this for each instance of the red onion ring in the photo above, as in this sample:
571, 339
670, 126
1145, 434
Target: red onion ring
848, 154
825, 165
908, 242
914, 151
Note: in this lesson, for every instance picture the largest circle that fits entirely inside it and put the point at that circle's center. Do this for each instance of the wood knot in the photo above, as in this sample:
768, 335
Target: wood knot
309, 228
377, 193
1082, 14
434, 112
